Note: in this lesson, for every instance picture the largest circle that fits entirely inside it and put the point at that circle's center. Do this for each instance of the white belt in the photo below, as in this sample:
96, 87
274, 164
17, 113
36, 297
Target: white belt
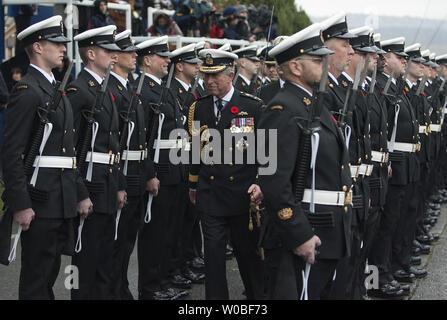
328, 198
406, 147
381, 157
423, 129
55, 162
134, 155
355, 171
173, 144
435, 128
366, 169
104, 158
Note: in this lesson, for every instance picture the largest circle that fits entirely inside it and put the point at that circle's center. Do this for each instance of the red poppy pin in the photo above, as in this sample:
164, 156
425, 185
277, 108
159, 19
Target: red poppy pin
234, 110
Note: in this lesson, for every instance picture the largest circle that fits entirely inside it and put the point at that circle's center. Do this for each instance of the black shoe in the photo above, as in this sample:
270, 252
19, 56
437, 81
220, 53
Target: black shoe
424, 249
387, 291
228, 252
197, 264
176, 295
404, 287
434, 206
195, 277
424, 239
178, 281
433, 212
416, 251
415, 261
418, 273
157, 295
404, 276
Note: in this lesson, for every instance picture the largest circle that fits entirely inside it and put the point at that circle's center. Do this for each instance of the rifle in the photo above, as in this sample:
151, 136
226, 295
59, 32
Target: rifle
44, 114
89, 117
388, 84
350, 91
308, 127
421, 86
266, 51
402, 81
126, 117
156, 126
373, 81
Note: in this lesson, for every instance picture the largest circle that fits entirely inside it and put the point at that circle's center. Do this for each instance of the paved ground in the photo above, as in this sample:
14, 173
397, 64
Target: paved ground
434, 287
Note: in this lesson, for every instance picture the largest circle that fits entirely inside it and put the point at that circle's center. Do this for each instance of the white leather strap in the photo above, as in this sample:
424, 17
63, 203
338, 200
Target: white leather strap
46, 134
130, 129
328, 198
89, 158
377, 156
55, 162
134, 155
435, 127
406, 147
103, 158
12, 254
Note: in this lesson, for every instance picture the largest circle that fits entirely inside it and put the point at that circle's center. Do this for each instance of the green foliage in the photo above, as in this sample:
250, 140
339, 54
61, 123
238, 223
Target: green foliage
290, 19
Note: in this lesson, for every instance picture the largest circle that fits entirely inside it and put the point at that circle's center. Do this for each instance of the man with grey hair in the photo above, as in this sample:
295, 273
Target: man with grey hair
220, 188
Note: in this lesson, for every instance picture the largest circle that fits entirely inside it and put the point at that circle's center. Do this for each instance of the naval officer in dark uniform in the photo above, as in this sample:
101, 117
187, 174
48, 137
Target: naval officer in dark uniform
156, 238
45, 203
248, 65
103, 178
295, 228
221, 184
133, 160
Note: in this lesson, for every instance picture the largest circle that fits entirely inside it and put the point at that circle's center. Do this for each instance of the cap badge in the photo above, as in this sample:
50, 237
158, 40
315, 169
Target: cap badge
209, 59
113, 35
321, 37
62, 27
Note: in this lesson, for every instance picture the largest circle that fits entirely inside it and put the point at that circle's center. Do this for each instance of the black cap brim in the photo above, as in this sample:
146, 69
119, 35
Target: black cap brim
130, 49
378, 50
255, 59
163, 54
401, 54
418, 60
320, 52
193, 60
346, 35
109, 46
59, 39
366, 49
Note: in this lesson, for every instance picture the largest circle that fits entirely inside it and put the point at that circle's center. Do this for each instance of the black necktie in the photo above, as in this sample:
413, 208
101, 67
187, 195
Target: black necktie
219, 110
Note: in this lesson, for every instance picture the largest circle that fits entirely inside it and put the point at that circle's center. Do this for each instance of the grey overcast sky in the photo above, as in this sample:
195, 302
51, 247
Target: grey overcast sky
432, 9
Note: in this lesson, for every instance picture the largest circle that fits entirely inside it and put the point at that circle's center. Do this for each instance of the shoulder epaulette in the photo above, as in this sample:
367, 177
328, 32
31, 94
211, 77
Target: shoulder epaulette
22, 86
192, 109
72, 89
251, 96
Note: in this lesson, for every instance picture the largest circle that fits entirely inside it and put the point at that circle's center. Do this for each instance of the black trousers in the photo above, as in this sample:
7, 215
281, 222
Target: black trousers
42, 246
245, 249
130, 221
406, 227
154, 240
381, 250
95, 260
181, 230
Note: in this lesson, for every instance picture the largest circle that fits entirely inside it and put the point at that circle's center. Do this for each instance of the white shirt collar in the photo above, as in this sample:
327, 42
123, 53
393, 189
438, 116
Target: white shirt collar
410, 84
154, 78
307, 91
184, 85
347, 77
120, 79
281, 83
392, 80
429, 81
333, 78
49, 76
225, 99
94, 75
245, 79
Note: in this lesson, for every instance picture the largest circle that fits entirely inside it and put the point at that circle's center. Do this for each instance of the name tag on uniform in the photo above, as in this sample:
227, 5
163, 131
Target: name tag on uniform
242, 125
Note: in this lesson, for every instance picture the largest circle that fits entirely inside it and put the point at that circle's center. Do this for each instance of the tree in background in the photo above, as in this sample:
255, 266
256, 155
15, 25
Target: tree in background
290, 19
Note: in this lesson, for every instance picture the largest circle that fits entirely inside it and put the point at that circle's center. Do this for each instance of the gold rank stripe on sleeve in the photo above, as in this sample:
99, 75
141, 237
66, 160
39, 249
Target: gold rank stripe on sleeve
72, 89
193, 178
276, 108
23, 86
